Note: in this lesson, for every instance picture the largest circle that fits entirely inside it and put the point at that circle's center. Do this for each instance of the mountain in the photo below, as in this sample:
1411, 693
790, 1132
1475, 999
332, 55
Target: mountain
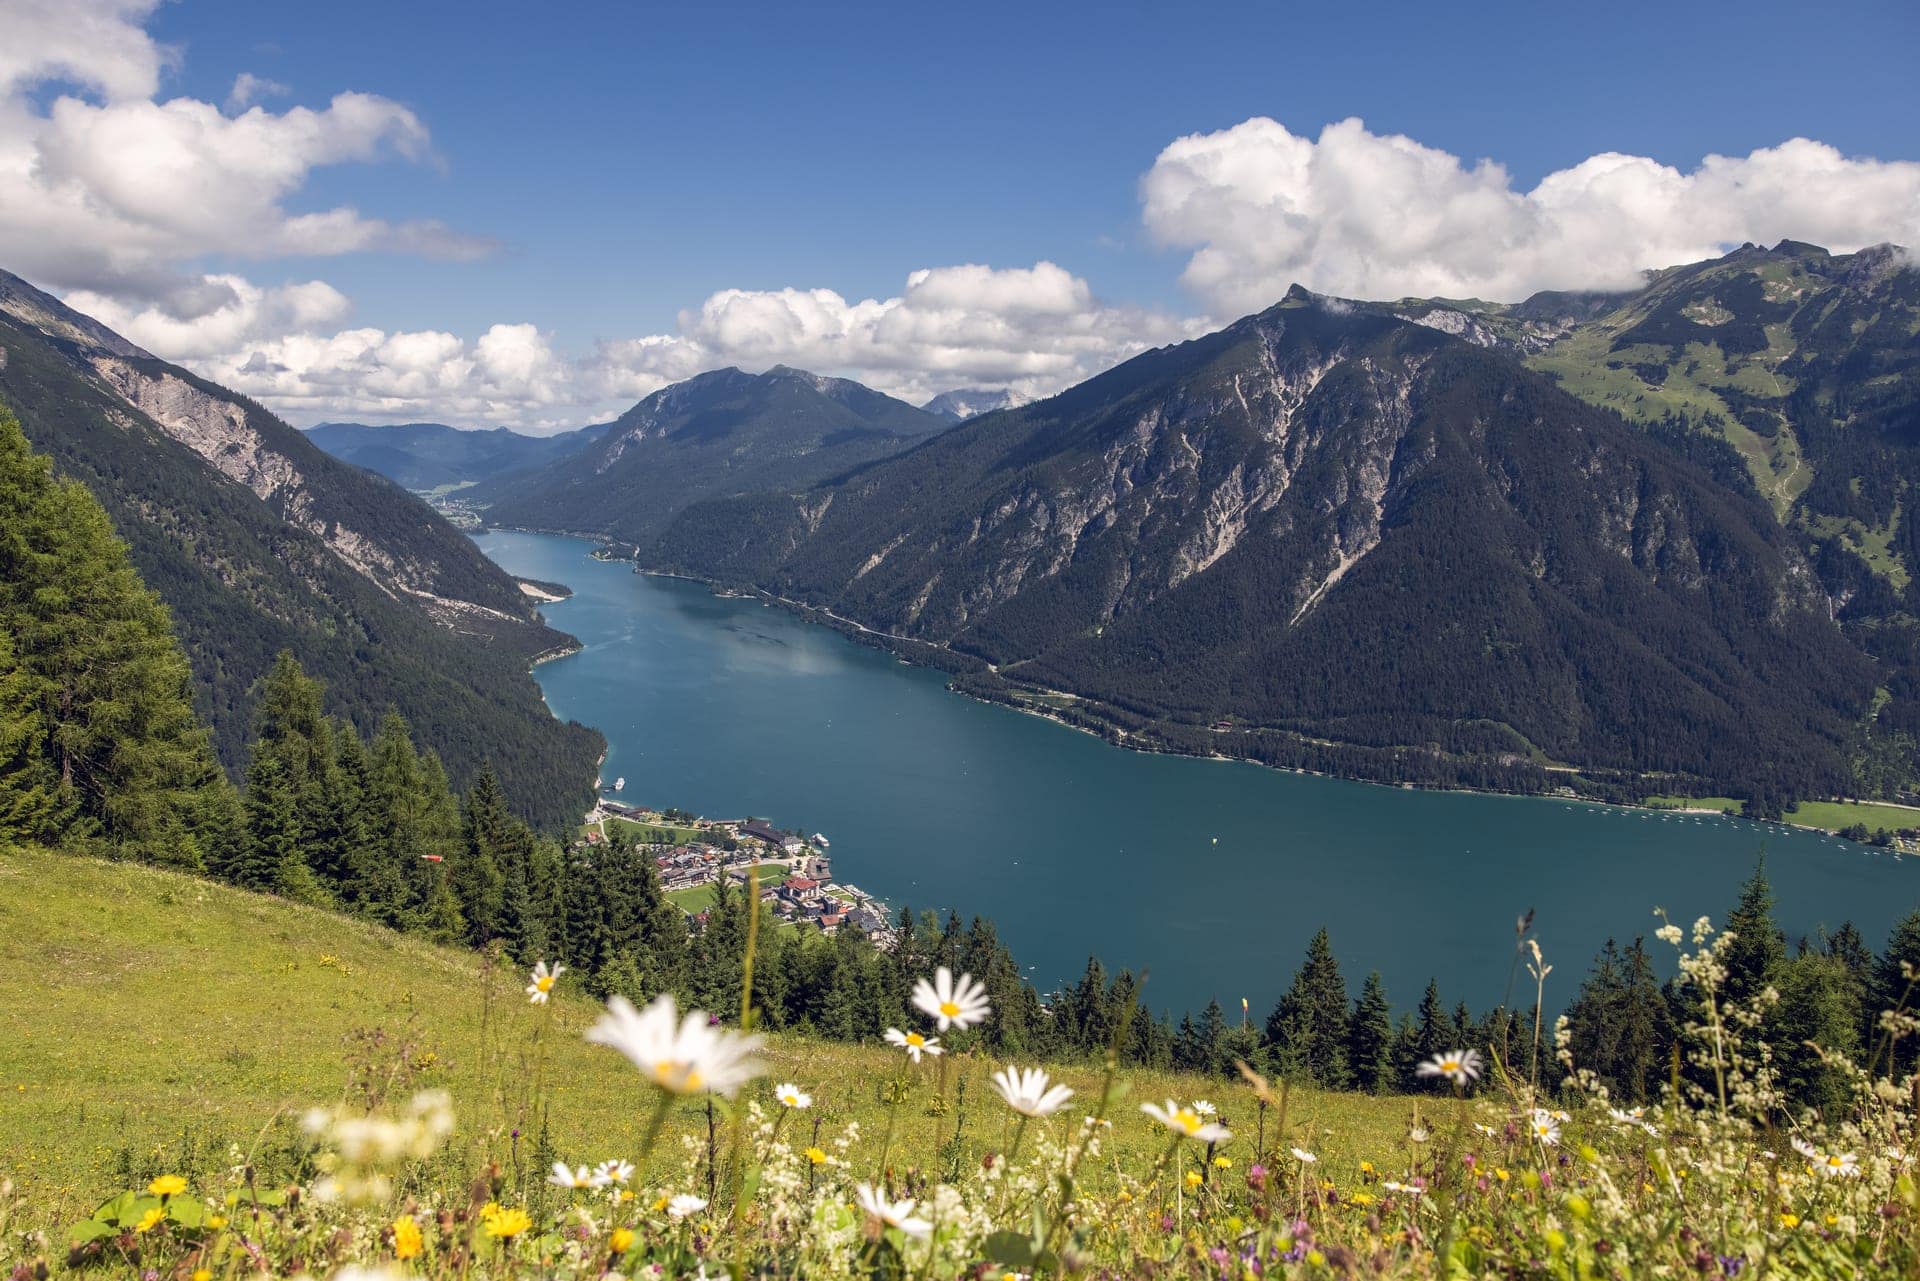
433, 455
258, 541
1369, 544
970, 402
720, 433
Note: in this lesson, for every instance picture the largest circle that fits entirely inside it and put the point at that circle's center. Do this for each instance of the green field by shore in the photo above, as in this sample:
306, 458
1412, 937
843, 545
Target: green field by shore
1829, 816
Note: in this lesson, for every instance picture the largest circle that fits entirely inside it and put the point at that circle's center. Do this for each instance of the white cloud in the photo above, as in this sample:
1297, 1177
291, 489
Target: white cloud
249, 89
119, 191
1036, 329
1376, 216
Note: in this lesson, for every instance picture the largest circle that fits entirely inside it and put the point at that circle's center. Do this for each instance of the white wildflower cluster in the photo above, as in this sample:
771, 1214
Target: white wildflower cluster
360, 1152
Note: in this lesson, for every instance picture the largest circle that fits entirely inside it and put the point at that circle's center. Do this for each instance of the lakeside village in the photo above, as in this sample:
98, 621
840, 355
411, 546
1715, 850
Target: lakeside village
693, 853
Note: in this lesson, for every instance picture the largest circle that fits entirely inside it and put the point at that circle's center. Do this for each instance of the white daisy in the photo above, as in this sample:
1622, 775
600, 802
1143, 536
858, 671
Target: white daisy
1303, 1156
1406, 1188
611, 1172
1462, 1067
950, 1003
895, 1214
1029, 1093
685, 1204
1834, 1165
1544, 1127
1205, 1108
563, 1177
914, 1044
681, 1056
791, 1096
543, 978
1187, 1122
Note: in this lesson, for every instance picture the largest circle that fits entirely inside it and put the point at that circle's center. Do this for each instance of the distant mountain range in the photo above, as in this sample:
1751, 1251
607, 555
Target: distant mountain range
970, 402
427, 456
717, 434
258, 541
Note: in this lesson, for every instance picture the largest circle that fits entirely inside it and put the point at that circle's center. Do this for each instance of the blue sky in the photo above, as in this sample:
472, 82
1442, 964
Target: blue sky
628, 161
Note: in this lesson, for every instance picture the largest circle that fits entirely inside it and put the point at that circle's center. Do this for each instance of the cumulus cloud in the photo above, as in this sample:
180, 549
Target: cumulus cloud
1381, 216
1036, 329
249, 89
111, 189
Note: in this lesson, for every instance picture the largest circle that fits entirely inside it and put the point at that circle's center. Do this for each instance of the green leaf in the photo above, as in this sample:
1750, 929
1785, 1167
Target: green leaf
1011, 1248
187, 1212
89, 1230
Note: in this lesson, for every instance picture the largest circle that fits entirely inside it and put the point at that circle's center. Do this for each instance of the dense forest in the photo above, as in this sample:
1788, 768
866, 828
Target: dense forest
100, 751
244, 581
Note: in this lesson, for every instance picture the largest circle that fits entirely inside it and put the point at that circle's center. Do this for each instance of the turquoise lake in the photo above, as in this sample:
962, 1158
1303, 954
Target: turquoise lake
1210, 875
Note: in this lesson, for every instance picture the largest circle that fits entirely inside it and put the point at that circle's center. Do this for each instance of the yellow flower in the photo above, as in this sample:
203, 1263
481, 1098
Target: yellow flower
406, 1237
217, 1221
1789, 1220
1125, 1195
150, 1220
816, 1156
621, 1241
626, 1194
1223, 1163
1193, 1178
503, 1224
1360, 1198
167, 1185
1316, 1259
1501, 1175
203, 1274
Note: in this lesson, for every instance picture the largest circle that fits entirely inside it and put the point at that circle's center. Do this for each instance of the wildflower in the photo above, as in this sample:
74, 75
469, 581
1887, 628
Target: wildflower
203, 1274
790, 1096
1406, 1189
682, 1056
1304, 1157
1834, 1165
1462, 1067
544, 977
895, 1214
1029, 1093
684, 1205
1789, 1220
816, 1156
1186, 1122
950, 1003
167, 1185
1634, 1117
1544, 1127
503, 1224
406, 1237
621, 1241
1223, 1163
1205, 1108
914, 1044
216, 1221
608, 1173
1193, 1178
150, 1220
563, 1177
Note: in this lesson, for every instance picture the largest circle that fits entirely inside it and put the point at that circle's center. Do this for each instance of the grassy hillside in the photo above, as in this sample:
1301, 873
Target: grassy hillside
150, 1020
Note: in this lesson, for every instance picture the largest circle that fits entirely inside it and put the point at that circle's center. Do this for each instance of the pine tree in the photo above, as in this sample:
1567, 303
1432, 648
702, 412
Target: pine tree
1819, 1006
1758, 951
29, 808
94, 653
1370, 1037
1432, 1034
476, 875
1307, 1031
1891, 990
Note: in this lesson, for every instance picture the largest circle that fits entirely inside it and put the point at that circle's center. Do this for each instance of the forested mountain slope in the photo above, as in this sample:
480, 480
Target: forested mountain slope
430, 455
716, 434
257, 541
1384, 544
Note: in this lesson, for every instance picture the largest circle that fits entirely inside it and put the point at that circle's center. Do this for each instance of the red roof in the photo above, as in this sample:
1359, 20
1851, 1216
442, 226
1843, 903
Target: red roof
800, 883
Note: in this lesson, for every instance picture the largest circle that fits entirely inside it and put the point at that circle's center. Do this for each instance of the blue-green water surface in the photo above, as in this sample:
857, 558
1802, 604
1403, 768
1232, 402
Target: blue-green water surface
1212, 875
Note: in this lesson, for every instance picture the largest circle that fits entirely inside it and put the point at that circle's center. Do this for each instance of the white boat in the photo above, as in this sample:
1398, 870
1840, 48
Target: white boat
619, 784
821, 841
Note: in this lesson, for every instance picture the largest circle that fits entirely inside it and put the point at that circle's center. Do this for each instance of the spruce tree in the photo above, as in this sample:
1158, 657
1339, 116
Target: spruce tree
1307, 1031
95, 655
29, 808
1892, 991
1758, 951
1370, 1037
476, 876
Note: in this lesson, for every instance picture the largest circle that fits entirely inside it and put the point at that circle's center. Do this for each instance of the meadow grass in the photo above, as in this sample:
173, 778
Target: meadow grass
1828, 816
152, 1019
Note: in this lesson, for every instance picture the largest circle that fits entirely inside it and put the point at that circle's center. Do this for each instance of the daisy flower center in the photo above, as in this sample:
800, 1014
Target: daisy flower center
949, 1009
1187, 1119
544, 983
915, 1039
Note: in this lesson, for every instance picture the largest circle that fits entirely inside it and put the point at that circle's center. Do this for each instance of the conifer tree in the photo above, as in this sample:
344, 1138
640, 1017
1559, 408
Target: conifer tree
1432, 1033
476, 876
29, 810
1307, 1031
1754, 958
1370, 1037
95, 655
1891, 990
